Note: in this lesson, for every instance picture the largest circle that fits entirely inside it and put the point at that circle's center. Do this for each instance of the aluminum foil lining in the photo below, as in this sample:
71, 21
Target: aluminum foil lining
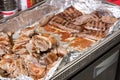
87, 7
40, 14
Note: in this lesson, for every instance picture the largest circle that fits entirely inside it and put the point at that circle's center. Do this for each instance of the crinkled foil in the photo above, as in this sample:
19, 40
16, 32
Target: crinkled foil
41, 14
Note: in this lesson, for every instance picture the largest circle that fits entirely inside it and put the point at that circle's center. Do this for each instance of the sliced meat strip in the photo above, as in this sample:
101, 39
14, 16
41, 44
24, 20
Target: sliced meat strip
64, 27
108, 19
37, 70
29, 31
41, 43
82, 19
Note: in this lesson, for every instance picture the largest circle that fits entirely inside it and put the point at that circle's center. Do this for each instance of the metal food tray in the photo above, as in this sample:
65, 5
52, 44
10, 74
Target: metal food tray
26, 18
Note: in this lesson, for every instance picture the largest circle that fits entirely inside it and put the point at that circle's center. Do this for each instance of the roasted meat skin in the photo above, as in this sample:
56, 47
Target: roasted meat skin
63, 19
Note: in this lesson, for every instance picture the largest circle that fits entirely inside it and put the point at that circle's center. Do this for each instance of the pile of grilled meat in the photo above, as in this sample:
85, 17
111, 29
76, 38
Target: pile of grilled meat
81, 30
34, 51
30, 54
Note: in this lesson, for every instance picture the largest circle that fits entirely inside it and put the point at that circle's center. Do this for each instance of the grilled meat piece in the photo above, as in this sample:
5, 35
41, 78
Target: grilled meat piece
50, 58
92, 34
98, 26
12, 65
69, 13
29, 31
85, 19
40, 43
63, 19
57, 25
108, 19
30, 47
43, 43
37, 71
52, 39
58, 19
81, 43
19, 45
82, 19
72, 12
74, 27
101, 13
5, 44
4, 73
